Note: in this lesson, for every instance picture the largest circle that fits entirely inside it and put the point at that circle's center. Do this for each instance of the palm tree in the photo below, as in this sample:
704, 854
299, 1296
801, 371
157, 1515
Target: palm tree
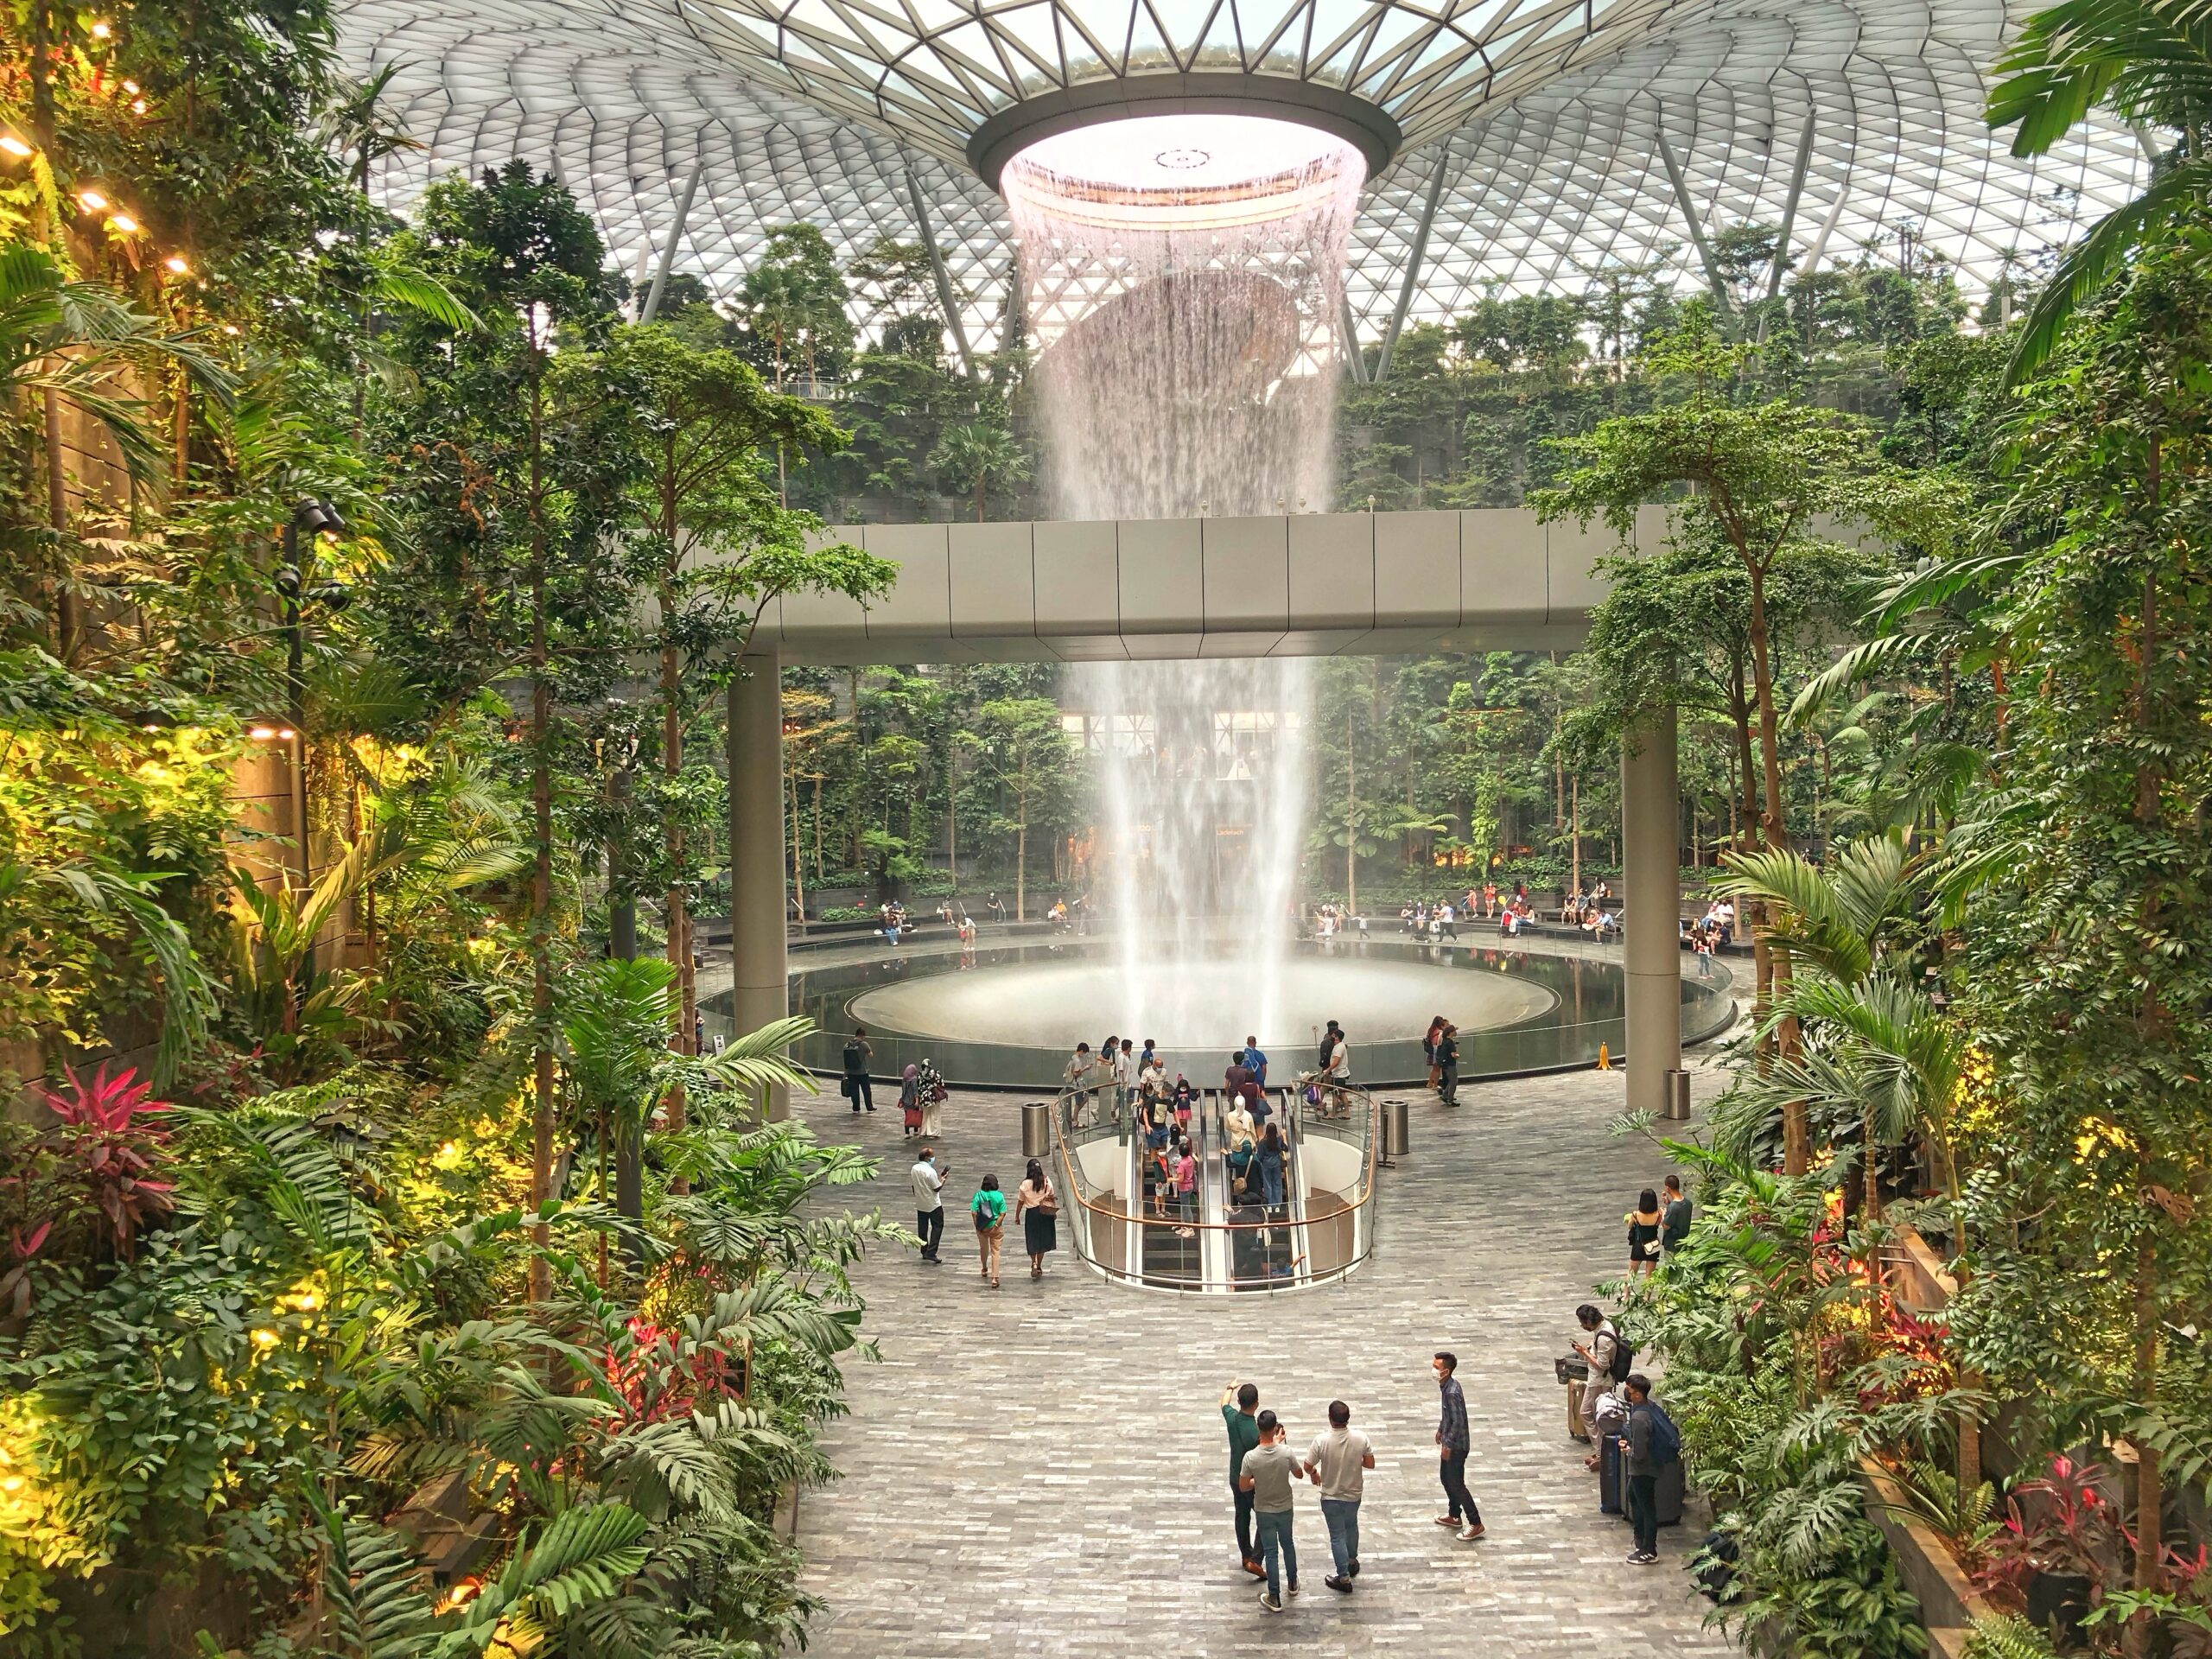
62, 337
621, 1070
978, 455
2147, 61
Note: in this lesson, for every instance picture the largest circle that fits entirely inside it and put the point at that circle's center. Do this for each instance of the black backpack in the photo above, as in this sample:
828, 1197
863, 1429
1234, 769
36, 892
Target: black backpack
1623, 1358
855, 1059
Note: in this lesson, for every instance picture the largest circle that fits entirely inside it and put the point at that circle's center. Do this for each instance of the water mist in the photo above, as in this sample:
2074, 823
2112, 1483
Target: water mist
1184, 276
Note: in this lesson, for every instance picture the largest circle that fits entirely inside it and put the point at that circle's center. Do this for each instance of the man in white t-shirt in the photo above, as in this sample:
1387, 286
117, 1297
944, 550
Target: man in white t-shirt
929, 1204
1338, 1464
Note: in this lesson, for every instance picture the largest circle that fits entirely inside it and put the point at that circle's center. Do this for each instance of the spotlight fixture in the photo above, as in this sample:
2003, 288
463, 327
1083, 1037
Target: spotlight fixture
123, 225
176, 262
14, 146
90, 200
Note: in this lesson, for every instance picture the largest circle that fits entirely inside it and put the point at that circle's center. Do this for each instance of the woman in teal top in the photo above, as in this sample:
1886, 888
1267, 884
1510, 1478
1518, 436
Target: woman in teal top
989, 1210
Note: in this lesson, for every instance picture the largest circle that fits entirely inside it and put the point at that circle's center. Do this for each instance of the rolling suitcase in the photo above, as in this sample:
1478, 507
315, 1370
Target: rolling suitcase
1574, 1430
1609, 1476
1669, 1491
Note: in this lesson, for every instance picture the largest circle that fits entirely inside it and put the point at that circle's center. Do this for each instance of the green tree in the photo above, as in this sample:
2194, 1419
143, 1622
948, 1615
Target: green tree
2146, 61
977, 455
792, 302
1019, 744
1766, 481
520, 490
717, 547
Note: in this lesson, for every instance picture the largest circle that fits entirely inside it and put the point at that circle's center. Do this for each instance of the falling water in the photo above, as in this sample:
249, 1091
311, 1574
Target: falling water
1187, 302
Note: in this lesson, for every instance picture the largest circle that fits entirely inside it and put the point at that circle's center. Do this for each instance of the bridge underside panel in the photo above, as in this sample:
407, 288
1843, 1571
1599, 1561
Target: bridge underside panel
1307, 585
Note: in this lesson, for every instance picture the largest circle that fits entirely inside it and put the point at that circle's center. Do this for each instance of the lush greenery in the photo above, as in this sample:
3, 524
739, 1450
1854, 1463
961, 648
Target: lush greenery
368, 1212
1979, 1030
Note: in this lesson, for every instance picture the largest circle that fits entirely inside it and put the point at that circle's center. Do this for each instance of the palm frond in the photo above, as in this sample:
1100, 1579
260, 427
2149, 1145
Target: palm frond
2092, 261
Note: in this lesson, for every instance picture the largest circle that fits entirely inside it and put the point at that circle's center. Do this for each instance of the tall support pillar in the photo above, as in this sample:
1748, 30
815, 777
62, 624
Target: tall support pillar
759, 971
948, 302
1650, 812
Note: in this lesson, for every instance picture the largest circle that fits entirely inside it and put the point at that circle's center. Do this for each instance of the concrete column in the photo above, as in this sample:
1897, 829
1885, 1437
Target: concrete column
758, 967
1650, 808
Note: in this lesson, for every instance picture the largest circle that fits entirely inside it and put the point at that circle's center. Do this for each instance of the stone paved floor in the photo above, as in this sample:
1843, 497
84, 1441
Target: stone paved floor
1043, 1470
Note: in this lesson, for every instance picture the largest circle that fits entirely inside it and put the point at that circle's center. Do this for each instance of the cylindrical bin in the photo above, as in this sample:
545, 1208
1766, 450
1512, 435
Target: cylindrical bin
1398, 1137
1678, 1097
1036, 1131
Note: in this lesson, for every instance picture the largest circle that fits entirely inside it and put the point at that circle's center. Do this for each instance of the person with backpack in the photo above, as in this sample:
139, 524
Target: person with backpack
1648, 1441
1608, 1359
856, 1087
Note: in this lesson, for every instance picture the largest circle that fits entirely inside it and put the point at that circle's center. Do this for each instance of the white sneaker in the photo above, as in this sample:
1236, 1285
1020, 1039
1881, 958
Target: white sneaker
1268, 1603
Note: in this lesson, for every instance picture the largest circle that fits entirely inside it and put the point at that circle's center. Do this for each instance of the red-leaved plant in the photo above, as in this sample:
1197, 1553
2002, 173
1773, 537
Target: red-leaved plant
2074, 1528
105, 1152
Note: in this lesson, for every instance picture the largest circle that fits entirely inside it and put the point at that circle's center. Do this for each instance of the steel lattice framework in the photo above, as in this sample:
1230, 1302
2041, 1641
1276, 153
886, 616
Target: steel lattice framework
1537, 142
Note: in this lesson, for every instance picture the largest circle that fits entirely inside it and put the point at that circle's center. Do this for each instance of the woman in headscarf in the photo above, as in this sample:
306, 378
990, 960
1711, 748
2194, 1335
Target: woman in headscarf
910, 1100
933, 1094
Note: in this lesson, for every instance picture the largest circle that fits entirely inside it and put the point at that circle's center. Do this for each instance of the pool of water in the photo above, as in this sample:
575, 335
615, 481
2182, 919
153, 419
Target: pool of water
1006, 1016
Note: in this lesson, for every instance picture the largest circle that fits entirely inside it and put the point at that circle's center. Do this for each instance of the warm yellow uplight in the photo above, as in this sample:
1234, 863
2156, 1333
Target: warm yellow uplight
130, 85
14, 145
137, 106
12, 1483
261, 733
101, 31
90, 200
176, 262
123, 225
264, 1338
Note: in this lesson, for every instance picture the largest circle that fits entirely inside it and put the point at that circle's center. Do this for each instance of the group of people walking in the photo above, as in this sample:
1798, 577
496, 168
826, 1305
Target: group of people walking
1263, 1466
1034, 1208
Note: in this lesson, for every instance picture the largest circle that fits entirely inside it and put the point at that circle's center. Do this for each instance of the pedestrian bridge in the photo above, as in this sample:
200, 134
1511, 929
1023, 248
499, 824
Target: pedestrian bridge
1293, 585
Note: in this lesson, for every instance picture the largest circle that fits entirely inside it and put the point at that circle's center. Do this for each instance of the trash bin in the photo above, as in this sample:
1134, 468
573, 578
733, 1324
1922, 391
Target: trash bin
1036, 1131
1678, 1097
1397, 1138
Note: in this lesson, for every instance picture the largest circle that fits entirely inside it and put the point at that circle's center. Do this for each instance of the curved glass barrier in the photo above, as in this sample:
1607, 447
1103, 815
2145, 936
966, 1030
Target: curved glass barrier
1235, 1229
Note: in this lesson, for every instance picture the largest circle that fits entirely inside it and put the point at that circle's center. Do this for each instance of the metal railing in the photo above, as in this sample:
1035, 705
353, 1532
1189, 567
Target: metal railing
1125, 1222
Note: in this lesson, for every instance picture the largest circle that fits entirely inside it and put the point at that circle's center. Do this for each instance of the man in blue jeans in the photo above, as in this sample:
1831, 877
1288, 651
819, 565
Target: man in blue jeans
1451, 1446
1238, 1402
1338, 1464
1269, 1468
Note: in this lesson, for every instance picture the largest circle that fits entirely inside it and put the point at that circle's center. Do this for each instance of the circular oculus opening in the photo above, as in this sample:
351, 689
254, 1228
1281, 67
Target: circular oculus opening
1182, 171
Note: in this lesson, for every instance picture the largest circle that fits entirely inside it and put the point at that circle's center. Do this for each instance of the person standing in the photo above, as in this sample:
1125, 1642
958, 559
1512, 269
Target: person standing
1078, 1072
1673, 1217
910, 1101
933, 1095
1451, 1448
1125, 1072
1269, 1468
856, 1058
1643, 1234
1338, 1463
1036, 1207
1644, 1445
1447, 1065
1602, 1356
1255, 1061
1327, 1043
1428, 1045
929, 1204
1238, 1402
988, 1208
1269, 1163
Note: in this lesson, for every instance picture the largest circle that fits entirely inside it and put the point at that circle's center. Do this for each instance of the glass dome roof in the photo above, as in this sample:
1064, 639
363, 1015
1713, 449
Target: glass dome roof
1540, 128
